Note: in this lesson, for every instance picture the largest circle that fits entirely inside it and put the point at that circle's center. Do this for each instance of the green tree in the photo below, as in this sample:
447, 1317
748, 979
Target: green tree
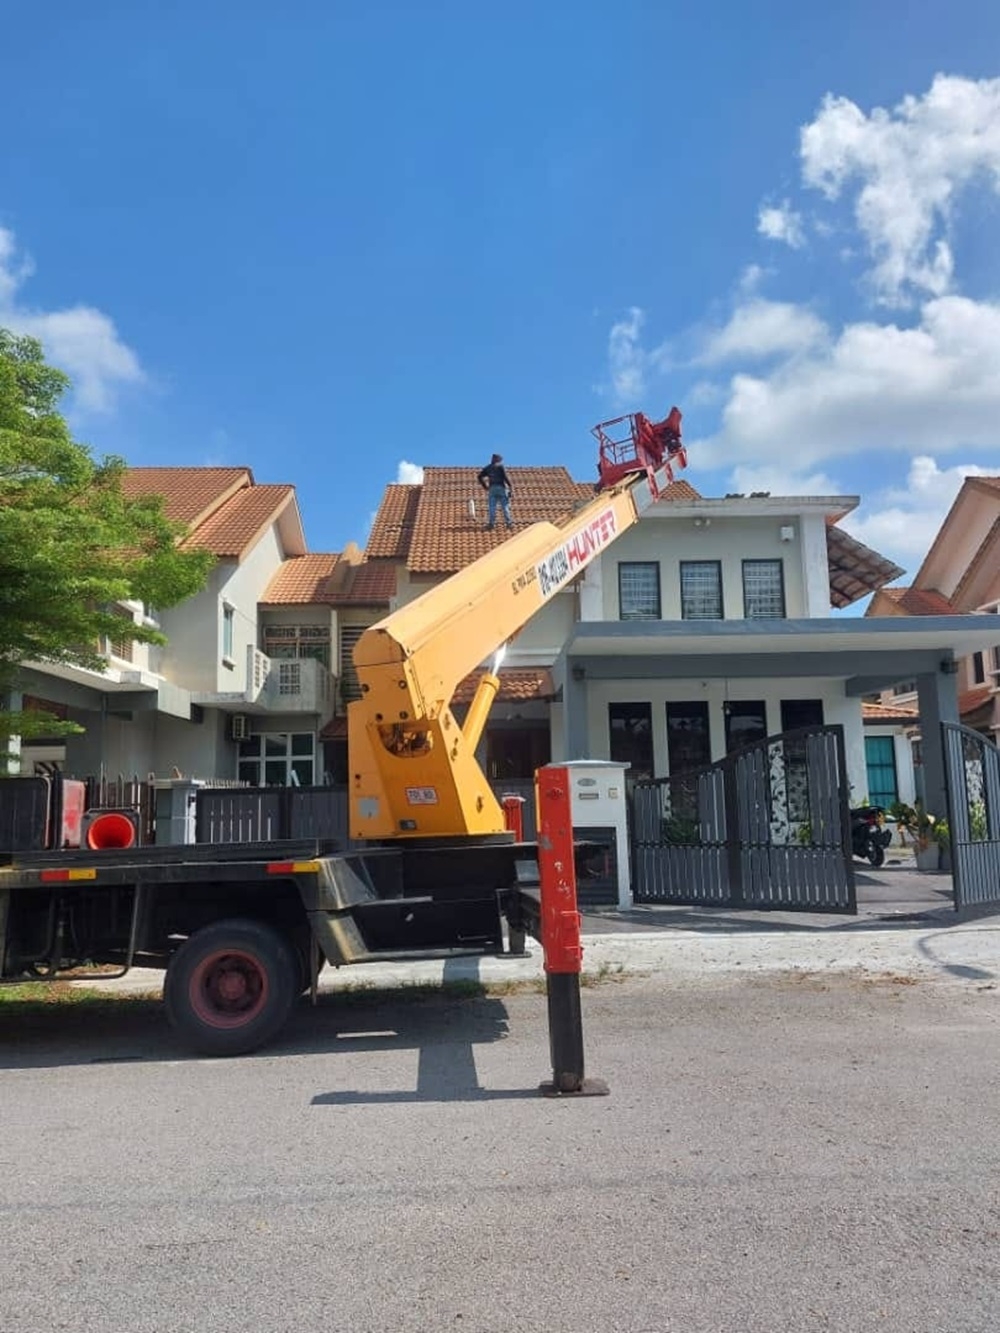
71, 543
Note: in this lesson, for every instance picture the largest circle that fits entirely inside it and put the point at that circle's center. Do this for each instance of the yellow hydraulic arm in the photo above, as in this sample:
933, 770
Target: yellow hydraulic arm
413, 770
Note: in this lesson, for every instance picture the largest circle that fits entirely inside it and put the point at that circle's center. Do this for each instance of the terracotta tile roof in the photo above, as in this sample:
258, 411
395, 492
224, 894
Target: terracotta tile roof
970, 701
190, 494
447, 535
681, 490
372, 583
920, 601
301, 581
888, 713
235, 525
855, 569
392, 529
517, 685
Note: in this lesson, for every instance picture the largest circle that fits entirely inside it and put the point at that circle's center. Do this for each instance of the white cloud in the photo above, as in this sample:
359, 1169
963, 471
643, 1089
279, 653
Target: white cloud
902, 521
781, 479
763, 328
409, 474
781, 223
81, 340
626, 359
908, 165
874, 391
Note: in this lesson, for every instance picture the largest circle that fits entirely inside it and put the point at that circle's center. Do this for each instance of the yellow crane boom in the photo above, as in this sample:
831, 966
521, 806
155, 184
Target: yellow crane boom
413, 770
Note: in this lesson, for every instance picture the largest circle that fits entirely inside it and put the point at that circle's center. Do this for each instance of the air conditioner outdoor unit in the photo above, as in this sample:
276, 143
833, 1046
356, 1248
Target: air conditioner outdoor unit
239, 727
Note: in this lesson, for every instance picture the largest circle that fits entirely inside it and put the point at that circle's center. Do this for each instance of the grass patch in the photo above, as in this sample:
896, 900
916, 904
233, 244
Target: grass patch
42, 996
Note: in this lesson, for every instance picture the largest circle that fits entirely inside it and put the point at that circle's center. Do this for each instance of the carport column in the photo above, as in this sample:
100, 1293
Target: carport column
937, 700
575, 711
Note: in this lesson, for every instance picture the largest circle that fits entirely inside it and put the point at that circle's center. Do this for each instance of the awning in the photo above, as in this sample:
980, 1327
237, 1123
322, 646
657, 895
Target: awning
855, 569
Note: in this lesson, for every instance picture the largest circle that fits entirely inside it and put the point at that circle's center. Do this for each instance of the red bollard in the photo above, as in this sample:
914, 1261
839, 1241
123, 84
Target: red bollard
563, 950
513, 815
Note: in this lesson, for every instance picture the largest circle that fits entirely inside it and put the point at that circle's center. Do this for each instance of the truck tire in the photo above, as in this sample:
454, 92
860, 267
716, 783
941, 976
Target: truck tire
230, 987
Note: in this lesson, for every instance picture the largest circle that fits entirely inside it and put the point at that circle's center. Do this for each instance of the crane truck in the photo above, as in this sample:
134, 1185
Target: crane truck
242, 929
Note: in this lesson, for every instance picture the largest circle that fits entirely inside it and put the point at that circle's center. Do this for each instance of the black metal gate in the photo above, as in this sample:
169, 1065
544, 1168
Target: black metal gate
766, 827
972, 765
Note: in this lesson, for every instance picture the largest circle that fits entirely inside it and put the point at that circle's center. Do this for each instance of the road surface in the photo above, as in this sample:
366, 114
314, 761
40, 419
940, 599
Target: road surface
778, 1152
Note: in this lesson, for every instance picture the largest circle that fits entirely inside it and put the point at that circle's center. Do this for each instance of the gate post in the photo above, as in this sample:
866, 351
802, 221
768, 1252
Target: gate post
560, 922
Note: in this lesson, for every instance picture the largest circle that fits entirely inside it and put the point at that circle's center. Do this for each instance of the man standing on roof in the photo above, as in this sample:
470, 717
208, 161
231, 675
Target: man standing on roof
496, 483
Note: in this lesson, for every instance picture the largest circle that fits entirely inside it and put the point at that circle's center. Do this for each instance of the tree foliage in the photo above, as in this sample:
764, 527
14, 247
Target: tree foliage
72, 545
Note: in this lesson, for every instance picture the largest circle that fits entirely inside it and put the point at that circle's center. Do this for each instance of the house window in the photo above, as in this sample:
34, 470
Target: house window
631, 736
285, 641
763, 590
120, 645
746, 722
978, 669
639, 590
880, 762
516, 752
688, 743
228, 623
701, 590
350, 686
907, 687
996, 659
278, 759
799, 713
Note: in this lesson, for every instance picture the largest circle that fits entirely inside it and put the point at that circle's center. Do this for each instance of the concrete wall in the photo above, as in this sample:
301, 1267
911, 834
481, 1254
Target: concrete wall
728, 540
193, 655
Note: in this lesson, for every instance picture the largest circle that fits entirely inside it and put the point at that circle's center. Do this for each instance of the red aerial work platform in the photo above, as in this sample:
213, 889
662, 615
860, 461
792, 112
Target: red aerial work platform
633, 443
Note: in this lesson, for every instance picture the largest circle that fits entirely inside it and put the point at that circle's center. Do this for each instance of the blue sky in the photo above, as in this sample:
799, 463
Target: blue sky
355, 236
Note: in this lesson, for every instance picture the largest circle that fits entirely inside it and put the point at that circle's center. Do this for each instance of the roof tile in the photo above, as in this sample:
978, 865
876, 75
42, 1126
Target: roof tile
969, 701
301, 581
871, 712
372, 583
517, 685
393, 526
920, 601
233, 527
190, 494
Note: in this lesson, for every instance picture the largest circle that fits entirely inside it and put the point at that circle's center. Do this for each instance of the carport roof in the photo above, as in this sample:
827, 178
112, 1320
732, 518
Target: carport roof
867, 654
960, 635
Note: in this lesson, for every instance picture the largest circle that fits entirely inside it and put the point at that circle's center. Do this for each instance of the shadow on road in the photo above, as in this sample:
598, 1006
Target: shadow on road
444, 1028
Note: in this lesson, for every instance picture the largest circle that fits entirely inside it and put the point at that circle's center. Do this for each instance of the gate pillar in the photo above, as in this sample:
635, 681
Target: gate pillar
937, 701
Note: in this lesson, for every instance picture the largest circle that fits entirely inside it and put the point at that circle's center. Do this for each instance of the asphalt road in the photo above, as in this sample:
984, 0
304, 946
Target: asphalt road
777, 1153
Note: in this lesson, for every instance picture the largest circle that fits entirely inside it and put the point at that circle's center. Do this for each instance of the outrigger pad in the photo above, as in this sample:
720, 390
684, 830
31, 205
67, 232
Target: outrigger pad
590, 1087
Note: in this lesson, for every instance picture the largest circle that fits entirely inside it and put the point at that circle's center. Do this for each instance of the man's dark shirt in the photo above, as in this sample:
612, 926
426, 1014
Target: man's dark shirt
493, 474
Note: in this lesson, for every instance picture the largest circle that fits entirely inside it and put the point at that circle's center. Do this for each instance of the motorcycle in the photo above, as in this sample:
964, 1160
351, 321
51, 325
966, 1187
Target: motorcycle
869, 838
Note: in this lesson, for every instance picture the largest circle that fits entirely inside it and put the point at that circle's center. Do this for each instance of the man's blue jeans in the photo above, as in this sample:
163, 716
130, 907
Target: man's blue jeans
498, 496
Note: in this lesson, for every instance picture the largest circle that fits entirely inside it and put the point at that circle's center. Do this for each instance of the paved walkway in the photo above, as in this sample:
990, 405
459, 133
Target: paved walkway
905, 926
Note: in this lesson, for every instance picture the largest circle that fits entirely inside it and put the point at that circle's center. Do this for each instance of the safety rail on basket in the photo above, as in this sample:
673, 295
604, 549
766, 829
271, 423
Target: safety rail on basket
632, 443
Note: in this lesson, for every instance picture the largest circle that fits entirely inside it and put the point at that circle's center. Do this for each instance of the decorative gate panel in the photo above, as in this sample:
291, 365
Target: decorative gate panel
767, 827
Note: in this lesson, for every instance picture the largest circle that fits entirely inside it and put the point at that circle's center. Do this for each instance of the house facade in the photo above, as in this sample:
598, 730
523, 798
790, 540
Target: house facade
172, 709
960, 575
706, 626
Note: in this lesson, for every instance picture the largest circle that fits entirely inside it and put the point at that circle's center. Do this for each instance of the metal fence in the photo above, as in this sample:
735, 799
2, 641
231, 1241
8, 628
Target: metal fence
972, 765
261, 814
766, 827
124, 793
